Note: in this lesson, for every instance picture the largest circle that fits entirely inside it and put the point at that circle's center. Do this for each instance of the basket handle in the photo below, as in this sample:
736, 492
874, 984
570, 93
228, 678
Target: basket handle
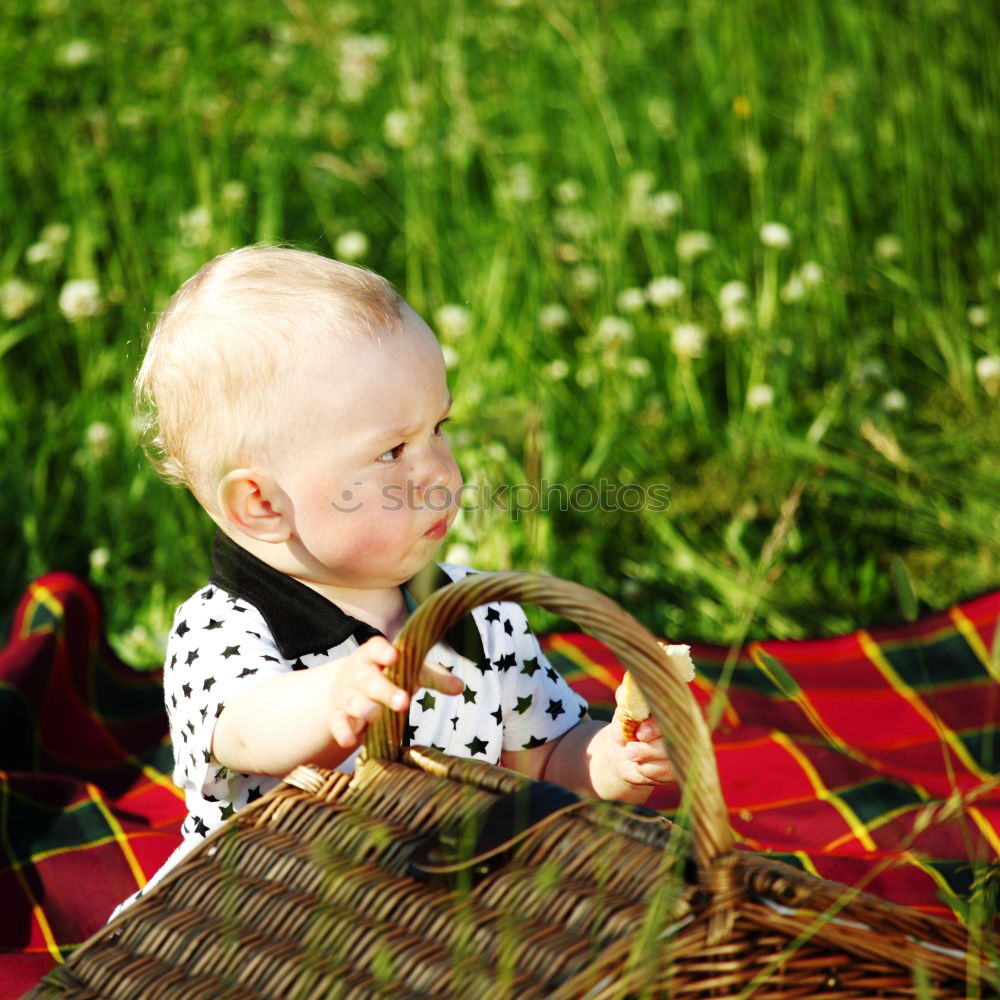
674, 708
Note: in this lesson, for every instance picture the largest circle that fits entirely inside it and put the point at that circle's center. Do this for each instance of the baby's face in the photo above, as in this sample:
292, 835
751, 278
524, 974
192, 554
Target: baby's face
368, 472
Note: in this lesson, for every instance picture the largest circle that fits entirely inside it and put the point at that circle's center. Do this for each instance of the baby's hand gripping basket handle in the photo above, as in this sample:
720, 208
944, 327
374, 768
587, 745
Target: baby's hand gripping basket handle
676, 712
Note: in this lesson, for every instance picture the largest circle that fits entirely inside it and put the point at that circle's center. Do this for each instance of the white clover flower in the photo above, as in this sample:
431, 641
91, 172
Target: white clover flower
733, 293
631, 300
98, 437
794, 289
978, 316
775, 235
79, 299
585, 280
234, 194
872, 370
453, 321
811, 274
614, 330
637, 367
55, 233
888, 247
16, 298
988, 373
399, 128
568, 192
556, 370
76, 53
99, 559
639, 185
196, 227
661, 116
665, 291
586, 376
688, 340
553, 316
41, 253
359, 59
759, 397
352, 245
735, 318
663, 206
693, 244
520, 184
894, 401
575, 221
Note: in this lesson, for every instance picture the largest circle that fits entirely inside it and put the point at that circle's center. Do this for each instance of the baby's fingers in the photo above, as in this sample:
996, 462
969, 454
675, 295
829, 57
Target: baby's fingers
438, 678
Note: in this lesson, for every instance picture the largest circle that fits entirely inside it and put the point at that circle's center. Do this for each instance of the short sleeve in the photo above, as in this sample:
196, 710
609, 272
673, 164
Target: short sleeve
218, 646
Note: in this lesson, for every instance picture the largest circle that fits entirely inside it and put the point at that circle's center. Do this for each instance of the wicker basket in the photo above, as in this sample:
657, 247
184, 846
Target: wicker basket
431, 876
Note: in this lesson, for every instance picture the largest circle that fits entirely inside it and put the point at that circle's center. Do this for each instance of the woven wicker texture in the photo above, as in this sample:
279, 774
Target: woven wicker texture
431, 876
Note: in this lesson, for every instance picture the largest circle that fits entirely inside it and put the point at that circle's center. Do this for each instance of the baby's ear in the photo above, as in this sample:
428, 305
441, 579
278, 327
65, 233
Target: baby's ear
251, 501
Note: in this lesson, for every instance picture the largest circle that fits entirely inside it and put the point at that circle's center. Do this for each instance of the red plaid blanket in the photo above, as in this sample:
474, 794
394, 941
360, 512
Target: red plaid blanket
868, 759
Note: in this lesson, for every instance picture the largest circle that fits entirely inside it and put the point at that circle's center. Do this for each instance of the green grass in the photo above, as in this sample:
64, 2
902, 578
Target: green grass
503, 157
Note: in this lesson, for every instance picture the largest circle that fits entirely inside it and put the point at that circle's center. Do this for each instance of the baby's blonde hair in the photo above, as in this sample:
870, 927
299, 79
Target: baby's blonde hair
213, 365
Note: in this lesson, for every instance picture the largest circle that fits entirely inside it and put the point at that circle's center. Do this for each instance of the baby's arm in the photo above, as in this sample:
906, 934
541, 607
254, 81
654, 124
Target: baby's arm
314, 716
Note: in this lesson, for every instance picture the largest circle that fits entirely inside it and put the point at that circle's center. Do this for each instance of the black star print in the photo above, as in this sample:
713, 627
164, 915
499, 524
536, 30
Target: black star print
253, 794
507, 661
483, 666
182, 629
206, 756
207, 684
204, 713
498, 715
555, 709
583, 711
508, 627
533, 742
411, 732
207, 595
230, 651
434, 746
523, 704
191, 657
212, 623
299, 665
173, 701
454, 722
246, 672
173, 660
476, 745
427, 701
199, 827
530, 666
551, 674
186, 688
492, 615
218, 709
469, 695
270, 659
236, 607
189, 727
227, 810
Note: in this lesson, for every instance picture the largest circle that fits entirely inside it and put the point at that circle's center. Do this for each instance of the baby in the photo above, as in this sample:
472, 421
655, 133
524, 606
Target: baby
303, 403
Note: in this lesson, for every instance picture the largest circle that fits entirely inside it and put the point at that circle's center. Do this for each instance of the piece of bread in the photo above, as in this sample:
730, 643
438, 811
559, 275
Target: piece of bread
633, 705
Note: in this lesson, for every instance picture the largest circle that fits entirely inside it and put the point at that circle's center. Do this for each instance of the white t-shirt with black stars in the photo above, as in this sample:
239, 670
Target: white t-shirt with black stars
252, 622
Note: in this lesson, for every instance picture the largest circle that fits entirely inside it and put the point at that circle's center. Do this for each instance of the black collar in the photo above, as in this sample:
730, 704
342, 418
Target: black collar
301, 620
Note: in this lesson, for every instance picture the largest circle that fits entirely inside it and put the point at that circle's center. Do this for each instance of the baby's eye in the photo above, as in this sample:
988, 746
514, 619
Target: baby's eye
392, 454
